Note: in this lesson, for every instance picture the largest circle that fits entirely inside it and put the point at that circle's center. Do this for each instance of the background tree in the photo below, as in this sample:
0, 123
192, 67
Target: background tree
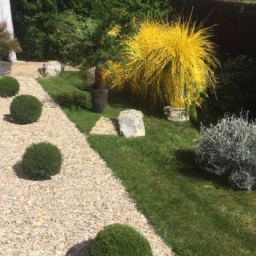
34, 24
35, 20
7, 42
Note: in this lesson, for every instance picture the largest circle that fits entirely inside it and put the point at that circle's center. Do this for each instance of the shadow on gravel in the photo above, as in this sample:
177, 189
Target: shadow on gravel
81, 249
9, 119
18, 170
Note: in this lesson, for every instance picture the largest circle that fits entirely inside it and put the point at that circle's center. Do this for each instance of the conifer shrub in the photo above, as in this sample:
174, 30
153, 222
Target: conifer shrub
119, 240
9, 86
229, 150
41, 161
25, 109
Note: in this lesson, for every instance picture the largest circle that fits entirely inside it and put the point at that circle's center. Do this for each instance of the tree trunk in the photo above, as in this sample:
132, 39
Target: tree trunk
99, 81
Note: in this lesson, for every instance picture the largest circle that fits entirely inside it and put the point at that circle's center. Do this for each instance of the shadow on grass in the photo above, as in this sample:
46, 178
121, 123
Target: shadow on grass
188, 167
124, 99
81, 249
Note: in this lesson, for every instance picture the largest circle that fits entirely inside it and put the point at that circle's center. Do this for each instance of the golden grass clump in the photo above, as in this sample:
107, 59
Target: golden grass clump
168, 63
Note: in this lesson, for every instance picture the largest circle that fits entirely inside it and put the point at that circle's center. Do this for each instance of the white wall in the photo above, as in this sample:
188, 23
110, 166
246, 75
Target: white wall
5, 14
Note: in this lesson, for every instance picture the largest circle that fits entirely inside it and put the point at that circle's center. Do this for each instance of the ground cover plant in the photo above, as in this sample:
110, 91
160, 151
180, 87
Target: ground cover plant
228, 150
69, 92
193, 211
9, 86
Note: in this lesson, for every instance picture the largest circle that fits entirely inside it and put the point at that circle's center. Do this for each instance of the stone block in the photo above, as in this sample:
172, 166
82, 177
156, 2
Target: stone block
131, 123
50, 68
175, 114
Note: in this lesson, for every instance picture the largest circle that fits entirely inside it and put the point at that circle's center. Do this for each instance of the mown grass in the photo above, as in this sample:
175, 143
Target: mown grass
193, 212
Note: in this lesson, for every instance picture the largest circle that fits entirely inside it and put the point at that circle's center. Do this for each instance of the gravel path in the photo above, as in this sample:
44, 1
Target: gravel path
58, 216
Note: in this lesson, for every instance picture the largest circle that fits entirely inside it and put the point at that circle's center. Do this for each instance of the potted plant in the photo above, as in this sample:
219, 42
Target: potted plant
89, 42
168, 64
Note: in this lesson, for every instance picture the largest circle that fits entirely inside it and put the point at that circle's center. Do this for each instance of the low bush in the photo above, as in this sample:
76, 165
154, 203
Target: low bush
74, 97
235, 90
229, 150
119, 240
41, 161
25, 109
9, 86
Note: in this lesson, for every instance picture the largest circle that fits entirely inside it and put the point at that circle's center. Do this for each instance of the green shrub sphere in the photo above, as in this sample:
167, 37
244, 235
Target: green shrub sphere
119, 240
25, 109
41, 161
9, 86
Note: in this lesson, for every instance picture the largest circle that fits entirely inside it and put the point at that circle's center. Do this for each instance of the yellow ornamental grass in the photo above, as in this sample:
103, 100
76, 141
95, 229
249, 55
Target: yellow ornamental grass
167, 63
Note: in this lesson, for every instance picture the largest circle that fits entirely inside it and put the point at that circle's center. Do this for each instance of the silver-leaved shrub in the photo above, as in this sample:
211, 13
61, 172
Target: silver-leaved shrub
229, 150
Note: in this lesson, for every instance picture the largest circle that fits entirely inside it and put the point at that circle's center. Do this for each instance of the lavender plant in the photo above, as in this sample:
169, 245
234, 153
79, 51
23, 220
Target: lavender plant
229, 150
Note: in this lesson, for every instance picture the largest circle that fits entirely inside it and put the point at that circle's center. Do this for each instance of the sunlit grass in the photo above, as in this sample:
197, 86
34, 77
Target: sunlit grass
194, 212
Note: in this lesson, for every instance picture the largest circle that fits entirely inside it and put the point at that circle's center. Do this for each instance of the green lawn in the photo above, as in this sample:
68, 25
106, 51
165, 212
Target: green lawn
193, 212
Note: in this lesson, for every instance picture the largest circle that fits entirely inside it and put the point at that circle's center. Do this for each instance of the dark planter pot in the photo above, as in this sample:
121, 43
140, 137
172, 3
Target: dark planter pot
99, 99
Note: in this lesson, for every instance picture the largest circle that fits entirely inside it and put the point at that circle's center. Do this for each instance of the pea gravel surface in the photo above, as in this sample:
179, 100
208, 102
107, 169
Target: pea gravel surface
62, 215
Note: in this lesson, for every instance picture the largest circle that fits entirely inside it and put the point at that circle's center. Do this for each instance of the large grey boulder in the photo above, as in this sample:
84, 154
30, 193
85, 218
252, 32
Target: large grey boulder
131, 123
50, 68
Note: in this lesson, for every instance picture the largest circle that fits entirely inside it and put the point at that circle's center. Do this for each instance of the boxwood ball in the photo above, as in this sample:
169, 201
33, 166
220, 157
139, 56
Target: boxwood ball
25, 109
41, 161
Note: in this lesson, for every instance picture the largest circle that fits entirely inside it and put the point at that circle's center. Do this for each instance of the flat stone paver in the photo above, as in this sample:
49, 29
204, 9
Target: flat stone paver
106, 126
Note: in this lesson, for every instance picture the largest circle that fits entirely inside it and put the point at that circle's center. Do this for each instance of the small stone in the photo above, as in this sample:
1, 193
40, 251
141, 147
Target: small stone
50, 68
131, 123
175, 114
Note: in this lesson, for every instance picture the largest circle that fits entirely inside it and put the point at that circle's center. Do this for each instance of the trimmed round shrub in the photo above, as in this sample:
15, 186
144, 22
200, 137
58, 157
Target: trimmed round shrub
25, 109
119, 240
41, 161
9, 86
229, 150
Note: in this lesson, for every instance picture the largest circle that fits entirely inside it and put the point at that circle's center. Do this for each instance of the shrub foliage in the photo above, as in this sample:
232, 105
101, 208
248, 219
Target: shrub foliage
119, 240
25, 109
7, 42
41, 161
167, 63
235, 90
74, 98
229, 150
36, 22
9, 86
